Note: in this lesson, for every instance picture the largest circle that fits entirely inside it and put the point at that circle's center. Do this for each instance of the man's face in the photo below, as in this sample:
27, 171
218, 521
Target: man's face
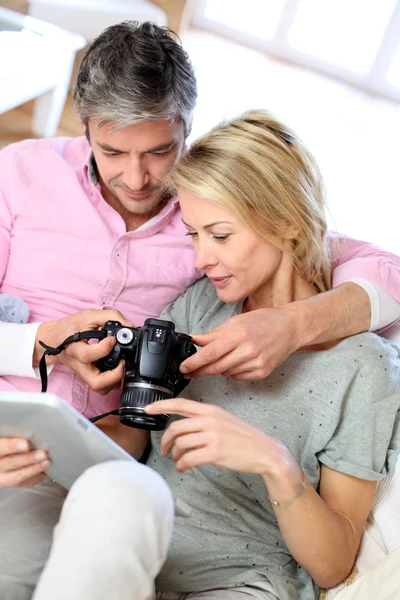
133, 162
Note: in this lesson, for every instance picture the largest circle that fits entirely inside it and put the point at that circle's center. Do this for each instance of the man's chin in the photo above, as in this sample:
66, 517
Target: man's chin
140, 206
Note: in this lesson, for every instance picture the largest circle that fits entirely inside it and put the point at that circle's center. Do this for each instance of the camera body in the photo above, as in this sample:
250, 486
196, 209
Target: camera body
152, 354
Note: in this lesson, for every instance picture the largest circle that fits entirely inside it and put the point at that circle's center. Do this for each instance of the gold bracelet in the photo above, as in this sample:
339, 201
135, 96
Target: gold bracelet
289, 501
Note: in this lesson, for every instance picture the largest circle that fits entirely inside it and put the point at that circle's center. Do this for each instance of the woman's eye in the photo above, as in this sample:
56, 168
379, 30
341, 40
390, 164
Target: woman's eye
221, 238
191, 233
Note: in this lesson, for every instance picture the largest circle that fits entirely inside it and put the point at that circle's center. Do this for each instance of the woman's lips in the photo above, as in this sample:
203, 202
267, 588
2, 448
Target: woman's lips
220, 282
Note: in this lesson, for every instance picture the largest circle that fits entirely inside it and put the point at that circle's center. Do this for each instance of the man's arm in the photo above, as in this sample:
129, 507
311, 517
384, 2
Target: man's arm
20, 350
354, 259
252, 345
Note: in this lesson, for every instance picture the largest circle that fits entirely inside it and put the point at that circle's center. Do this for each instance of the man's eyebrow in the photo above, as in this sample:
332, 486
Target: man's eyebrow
160, 148
210, 224
108, 148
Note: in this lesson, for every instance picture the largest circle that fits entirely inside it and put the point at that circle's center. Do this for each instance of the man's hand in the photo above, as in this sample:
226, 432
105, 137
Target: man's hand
247, 346
252, 345
19, 465
80, 356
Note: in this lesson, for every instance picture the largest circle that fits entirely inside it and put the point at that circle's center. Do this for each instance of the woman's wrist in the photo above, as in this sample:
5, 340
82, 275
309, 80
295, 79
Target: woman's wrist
284, 480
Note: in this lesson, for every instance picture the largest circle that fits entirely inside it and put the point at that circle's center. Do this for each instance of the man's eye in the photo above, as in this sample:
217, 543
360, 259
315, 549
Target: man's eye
164, 153
110, 154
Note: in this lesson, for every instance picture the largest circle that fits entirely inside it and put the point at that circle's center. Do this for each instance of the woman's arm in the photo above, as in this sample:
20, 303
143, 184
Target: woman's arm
322, 532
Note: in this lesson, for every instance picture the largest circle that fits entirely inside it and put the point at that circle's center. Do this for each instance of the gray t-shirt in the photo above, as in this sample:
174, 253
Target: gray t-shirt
338, 407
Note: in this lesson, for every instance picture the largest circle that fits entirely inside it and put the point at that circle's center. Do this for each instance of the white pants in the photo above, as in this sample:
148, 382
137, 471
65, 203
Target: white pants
120, 557
117, 557
95, 558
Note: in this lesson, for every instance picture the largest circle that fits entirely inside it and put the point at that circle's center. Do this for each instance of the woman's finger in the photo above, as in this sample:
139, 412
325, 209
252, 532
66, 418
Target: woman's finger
13, 445
13, 462
188, 443
20, 477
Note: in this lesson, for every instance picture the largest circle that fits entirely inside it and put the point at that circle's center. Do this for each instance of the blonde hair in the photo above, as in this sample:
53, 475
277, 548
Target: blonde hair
258, 168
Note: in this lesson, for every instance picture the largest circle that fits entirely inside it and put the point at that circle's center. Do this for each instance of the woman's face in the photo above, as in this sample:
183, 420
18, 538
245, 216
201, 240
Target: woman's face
238, 261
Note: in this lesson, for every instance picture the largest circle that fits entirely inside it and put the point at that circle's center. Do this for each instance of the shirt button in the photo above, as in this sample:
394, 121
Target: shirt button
103, 302
118, 254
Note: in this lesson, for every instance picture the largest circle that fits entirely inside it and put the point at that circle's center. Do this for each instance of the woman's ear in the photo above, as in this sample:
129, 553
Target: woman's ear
290, 231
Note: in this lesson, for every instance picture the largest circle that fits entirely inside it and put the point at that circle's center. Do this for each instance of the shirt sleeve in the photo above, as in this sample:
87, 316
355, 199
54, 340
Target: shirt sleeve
6, 218
356, 259
371, 405
385, 310
16, 350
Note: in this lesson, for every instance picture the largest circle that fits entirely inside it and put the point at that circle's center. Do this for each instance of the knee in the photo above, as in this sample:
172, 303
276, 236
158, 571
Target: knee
123, 486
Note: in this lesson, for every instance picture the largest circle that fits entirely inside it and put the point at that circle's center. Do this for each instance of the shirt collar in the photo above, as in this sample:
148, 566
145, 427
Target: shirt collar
91, 170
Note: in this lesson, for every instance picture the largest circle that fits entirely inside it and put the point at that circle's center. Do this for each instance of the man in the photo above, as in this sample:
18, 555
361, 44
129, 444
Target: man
87, 235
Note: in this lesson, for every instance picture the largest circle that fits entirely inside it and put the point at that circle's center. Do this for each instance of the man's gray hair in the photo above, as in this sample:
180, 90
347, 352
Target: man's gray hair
135, 72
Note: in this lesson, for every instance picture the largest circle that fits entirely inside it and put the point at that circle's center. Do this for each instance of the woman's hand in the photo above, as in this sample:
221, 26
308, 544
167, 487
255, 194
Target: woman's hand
19, 465
211, 435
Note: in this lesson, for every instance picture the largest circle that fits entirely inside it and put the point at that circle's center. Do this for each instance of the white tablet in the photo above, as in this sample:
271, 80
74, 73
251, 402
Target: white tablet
74, 443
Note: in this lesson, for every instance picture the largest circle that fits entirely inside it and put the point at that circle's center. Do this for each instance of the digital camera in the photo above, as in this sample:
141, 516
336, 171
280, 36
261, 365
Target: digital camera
152, 354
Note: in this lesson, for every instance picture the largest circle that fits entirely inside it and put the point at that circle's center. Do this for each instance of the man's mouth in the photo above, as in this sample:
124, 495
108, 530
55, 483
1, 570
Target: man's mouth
137, 195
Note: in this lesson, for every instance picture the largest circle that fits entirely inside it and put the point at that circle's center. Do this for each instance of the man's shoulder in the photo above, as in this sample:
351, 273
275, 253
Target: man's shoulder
73, 151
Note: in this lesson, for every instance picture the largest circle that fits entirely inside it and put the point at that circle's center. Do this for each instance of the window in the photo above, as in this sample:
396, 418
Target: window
355, 40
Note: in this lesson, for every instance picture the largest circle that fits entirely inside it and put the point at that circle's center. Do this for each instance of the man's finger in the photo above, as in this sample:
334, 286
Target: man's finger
89, 353
98, 381
209, 354
253, 375
202, 339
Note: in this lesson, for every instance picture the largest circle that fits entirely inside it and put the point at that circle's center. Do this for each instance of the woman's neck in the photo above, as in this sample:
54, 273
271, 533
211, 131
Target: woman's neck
285, 286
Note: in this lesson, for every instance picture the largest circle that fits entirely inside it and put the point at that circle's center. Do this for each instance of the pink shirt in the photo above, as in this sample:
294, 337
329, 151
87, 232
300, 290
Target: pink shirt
63, 249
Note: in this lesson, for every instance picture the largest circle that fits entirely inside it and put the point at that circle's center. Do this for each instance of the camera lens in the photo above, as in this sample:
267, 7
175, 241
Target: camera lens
135, 396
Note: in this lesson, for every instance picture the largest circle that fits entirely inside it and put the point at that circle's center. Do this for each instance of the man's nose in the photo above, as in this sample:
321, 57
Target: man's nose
137, 176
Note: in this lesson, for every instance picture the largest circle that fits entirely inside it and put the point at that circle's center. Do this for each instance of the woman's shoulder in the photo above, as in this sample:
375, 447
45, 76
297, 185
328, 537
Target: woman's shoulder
369, 347
373, 361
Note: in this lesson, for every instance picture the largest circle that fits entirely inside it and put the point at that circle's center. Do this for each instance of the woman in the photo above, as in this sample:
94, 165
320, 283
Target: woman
252, 200
301, 450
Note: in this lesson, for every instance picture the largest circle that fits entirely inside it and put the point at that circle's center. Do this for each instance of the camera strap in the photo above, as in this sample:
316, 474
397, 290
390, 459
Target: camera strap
50, 351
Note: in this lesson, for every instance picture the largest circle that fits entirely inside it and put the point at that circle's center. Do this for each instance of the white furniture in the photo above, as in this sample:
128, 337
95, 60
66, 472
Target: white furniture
36, 61
90, 17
